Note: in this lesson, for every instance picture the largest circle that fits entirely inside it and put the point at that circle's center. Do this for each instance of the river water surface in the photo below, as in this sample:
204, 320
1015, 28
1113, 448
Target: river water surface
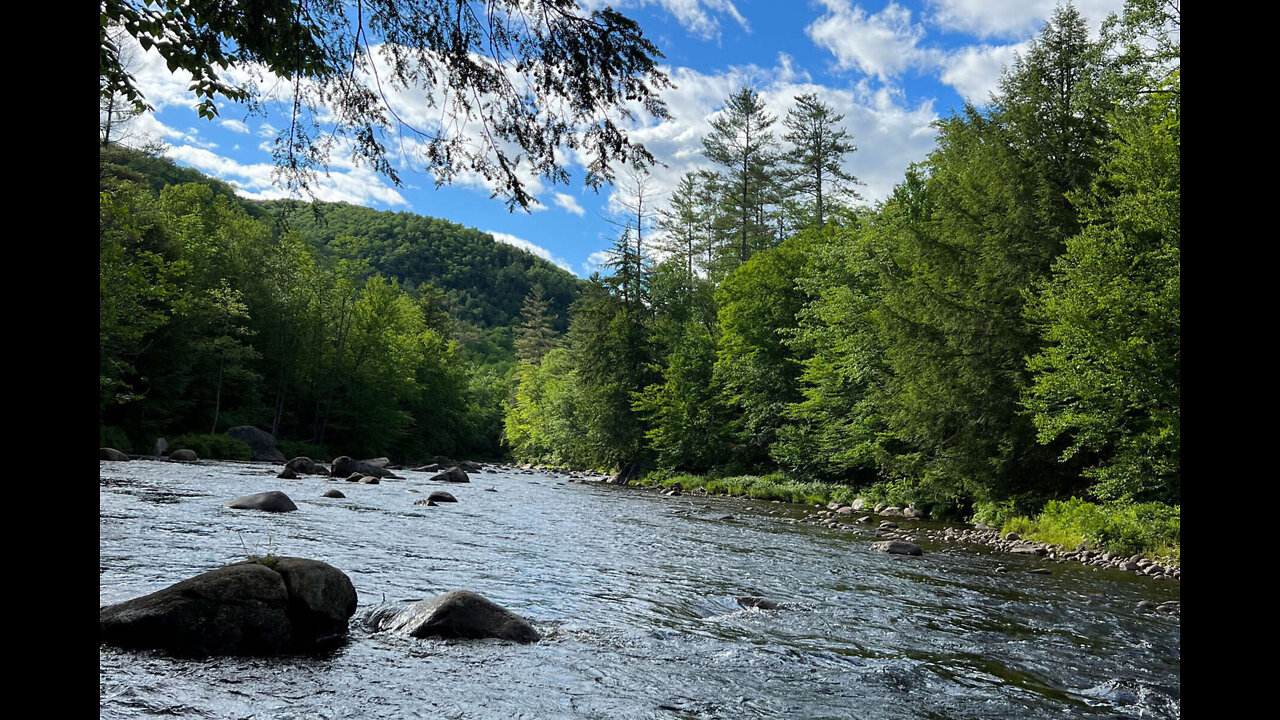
634, 594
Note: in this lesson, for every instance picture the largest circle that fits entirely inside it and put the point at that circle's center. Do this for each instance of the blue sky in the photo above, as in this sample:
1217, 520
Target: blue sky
891, 68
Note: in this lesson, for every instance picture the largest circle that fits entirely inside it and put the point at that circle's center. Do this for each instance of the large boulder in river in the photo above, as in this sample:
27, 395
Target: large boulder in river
265, 607
262, 444
271, 501
897, 547
453, 474
344, 466
377, 462
469, 466
111, 454
459, 614
441, 496
183, 455
306, 466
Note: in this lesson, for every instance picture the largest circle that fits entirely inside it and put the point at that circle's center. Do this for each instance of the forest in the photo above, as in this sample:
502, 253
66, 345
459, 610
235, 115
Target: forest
999, 339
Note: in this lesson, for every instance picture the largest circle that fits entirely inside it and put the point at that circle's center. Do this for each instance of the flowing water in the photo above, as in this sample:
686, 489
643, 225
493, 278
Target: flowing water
635, 596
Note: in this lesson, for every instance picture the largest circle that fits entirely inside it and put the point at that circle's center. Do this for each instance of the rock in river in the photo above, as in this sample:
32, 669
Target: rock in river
271, 501
306, 466
897, 547
442, 496
453, 474
269, 607
183, 455
459, 614
344, 466
112, 454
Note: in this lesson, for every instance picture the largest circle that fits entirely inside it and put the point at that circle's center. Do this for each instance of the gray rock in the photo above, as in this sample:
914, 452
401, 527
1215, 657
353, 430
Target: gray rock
433, 467
344, 466
1012, 536
112, 454
287, 474
380, 462
262, 444
858, 504
897, 547
183, 455
469, 466
160, 448
459, 614
306, 466
442, 496
453, 474
369, 480
254, 608
846, 510
428, 503
756, 603
271, 501
333, 494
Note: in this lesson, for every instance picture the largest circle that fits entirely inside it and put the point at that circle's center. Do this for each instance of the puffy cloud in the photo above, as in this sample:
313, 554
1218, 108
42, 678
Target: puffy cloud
595, 262
1012, 19
530, 248
883, 45
570, 204
698, 17
238, 126
974, 71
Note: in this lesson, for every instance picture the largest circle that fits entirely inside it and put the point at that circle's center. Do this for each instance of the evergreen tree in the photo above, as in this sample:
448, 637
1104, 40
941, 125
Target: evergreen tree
535, 336
742, 143
816, 159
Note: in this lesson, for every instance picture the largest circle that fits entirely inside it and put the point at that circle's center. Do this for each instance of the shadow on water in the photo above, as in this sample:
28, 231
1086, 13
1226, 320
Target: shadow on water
638, 599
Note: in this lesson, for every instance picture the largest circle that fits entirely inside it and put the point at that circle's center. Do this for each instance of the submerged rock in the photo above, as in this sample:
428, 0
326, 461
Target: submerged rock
750, 602
270, 501
268, 607
333, 494
458, 614
287, 474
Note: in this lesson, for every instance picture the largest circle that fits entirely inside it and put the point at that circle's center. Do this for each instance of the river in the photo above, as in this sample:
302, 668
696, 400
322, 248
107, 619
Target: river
634, 594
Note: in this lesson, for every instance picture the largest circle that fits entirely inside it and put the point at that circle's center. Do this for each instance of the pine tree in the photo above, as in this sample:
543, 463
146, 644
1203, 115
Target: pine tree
816, 160
743, 144
535, 336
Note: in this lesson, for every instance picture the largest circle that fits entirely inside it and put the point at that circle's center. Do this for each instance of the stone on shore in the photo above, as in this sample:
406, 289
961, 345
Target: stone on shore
262, 444
112, 454
183, 455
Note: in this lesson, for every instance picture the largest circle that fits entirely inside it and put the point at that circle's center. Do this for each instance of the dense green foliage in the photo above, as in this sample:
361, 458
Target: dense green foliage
211, 317
1001, 332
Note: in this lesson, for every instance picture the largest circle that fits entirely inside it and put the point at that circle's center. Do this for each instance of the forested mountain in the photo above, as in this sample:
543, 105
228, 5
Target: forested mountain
483, 282
378, 334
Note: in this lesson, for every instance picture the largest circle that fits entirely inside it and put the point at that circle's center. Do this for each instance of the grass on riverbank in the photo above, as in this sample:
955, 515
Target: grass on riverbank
1151, 529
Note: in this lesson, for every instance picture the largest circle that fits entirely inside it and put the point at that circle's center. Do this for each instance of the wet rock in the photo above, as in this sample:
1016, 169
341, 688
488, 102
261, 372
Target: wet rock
1129, 566
369, 480
287, 474
354, 477
750, 602
453, 474
333, 494
1012, 536
846, 510
112, 454
183, 455
442, 496
469, 466
886, 525
262, 444
344, 466
306, 466
266, 607
1146, 604
892, 511
858, 504
492, 489
897, 547
1002, 569
271, 501
379, 462
458, 614
433, 467
428, 503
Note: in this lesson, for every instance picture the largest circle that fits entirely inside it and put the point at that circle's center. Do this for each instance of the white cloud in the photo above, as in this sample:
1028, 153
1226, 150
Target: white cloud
698, 17
883, 45
974, 71
235, 126
1012, 19
570, 204
595, 262
531, 248
256, 181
